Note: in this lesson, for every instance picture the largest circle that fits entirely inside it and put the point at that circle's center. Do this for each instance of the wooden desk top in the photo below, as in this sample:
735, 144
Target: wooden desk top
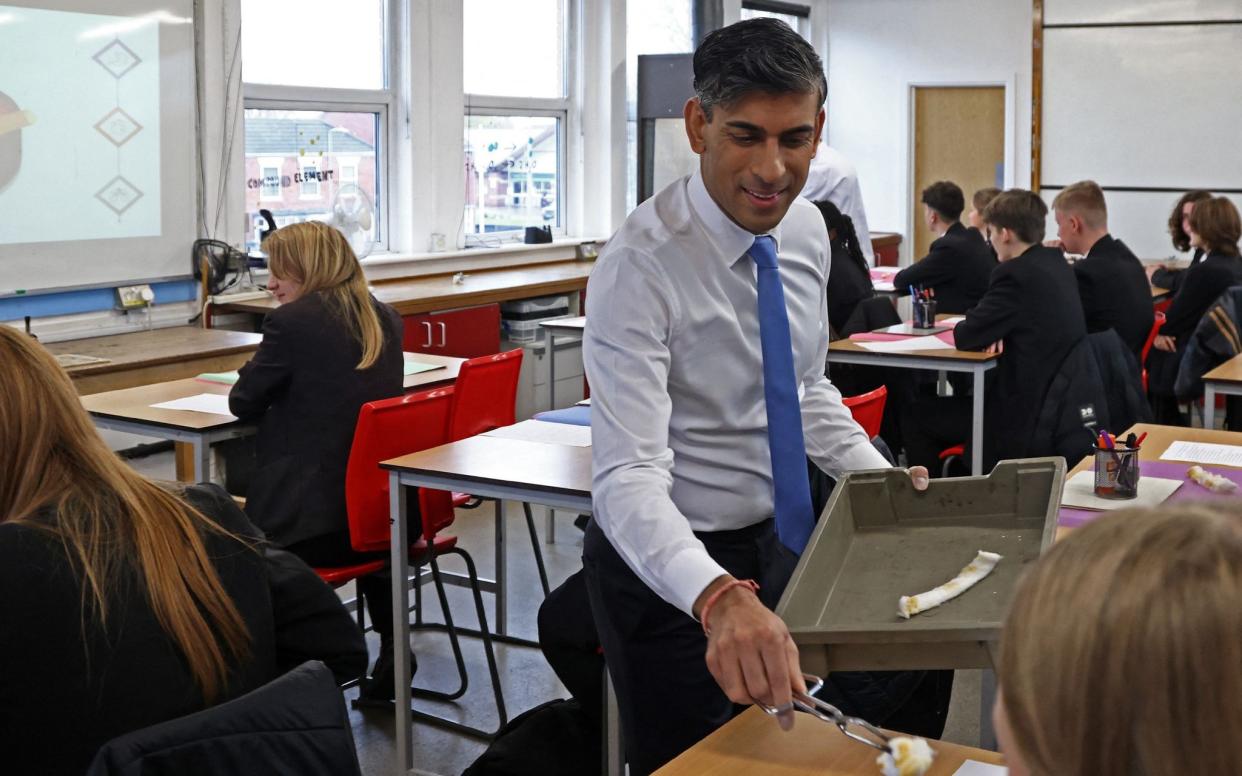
885, 239
1158, 293
576, 323
439, 292
135, 404
752, 744
150, 348
1228, 372
945, 354
561, 469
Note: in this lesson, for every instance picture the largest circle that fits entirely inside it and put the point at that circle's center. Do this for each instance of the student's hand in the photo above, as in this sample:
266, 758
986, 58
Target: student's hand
1165, 342
749, 651
996, 348
1152, 269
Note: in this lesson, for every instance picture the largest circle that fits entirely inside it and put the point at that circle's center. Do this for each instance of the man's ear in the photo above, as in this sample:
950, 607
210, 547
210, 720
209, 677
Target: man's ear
696, 125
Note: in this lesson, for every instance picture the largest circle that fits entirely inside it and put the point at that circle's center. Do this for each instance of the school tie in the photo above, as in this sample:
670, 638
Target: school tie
795, 518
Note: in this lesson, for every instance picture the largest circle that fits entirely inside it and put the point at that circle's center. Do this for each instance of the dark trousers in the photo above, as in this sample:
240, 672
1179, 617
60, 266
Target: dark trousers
932, 424
655, 652
570, 644
376, 589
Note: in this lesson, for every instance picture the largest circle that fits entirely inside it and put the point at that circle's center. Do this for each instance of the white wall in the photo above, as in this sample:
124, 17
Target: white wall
879, 49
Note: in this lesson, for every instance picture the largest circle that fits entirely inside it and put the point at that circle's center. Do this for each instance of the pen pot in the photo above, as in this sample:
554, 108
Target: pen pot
924, 313
1116, 472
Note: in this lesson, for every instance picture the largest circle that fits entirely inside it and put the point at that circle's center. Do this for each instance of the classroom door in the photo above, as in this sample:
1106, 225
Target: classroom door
959, 135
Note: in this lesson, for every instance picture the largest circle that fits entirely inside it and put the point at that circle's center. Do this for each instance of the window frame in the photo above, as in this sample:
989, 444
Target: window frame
799, 10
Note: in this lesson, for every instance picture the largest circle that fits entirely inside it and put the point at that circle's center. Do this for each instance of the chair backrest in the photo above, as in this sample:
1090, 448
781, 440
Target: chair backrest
389, 428
485, 394
868, 409
1151, 337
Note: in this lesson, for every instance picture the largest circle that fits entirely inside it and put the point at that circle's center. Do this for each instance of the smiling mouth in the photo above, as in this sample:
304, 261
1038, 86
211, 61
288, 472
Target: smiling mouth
763, 198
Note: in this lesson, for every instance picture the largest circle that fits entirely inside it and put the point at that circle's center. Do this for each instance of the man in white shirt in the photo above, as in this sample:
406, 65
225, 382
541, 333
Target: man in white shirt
706, 360
833, 178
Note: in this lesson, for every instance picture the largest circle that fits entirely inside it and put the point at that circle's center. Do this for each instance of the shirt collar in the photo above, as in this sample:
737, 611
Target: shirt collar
729, 241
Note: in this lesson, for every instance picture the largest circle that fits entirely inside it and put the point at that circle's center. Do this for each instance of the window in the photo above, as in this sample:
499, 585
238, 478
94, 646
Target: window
516, 111
795, 15
314, 94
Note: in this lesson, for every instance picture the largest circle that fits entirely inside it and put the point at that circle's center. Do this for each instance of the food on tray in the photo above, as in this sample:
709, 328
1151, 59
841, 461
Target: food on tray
1213, 482
967, 578
906, 757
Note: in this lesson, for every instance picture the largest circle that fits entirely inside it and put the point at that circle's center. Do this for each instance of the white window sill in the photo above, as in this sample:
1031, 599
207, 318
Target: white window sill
386, 266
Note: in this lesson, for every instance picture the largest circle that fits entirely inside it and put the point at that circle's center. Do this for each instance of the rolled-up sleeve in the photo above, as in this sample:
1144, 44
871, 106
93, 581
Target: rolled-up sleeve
626, 355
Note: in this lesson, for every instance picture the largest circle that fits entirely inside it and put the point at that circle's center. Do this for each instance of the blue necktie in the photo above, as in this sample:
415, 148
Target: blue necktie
795, 518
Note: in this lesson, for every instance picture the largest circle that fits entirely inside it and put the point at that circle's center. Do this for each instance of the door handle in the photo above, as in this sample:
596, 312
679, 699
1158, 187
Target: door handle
443, 333
427, 344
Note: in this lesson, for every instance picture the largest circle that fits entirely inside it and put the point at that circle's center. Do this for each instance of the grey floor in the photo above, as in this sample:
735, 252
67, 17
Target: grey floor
525, 676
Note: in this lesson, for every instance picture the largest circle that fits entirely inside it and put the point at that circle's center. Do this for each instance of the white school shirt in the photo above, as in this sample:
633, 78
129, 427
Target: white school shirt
833, 178
673, 356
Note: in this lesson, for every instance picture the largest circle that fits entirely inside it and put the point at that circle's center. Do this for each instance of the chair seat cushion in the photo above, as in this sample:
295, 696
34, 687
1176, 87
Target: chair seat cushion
339, 575
574, 416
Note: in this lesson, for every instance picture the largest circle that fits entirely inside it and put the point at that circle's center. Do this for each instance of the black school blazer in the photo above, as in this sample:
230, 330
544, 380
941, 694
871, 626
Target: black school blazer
957, 266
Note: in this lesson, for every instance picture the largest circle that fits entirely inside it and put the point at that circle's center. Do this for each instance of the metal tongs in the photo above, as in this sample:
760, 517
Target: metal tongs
871, 735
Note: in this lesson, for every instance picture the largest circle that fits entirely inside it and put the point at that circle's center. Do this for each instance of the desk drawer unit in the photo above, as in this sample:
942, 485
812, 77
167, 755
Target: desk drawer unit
466, 333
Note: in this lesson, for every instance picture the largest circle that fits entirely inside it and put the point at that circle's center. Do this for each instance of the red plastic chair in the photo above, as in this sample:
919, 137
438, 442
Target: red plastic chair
484, 398
387, 429
1151, 337
868, 409
948, 455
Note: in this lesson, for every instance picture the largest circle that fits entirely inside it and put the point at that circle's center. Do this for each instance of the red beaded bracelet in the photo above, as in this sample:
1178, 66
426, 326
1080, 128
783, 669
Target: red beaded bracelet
750, 584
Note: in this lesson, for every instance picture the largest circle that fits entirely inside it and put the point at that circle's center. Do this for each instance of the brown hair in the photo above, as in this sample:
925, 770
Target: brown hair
1181, 240
1018, 210
945, 197
57, 475
1216, 222
1086, 200
982, 197
319, 258
1121, 652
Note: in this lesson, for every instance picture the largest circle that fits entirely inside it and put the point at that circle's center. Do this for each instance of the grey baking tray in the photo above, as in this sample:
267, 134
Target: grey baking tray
879, 539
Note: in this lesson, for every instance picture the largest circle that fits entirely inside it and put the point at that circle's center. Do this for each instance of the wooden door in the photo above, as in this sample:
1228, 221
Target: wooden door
959, 136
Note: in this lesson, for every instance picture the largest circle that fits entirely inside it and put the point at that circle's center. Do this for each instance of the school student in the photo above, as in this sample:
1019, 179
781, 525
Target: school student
1111, 282
978, 203
958, 265
1214, 227
328, 349
1121, 652
1179, 231
1030, 315
849, 277
125, 602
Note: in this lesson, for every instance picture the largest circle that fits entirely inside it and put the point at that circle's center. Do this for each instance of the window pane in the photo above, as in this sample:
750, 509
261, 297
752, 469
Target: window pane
651, 27
299, 162
514, 48
513, 176
332, 43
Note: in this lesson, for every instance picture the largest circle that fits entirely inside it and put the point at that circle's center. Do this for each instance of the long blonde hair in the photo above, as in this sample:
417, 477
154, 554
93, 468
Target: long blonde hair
1122, 652
319, 258
108, 517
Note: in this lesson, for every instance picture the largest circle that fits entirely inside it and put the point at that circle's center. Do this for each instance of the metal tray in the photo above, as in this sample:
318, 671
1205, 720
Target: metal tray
879, 539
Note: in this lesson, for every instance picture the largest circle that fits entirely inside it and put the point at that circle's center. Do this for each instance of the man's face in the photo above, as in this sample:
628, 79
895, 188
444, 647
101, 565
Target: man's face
754, 153
1069, 231
1004, 242
975, 218
929, 218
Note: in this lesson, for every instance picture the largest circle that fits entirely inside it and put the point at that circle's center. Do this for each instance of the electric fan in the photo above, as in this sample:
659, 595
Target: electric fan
354, 214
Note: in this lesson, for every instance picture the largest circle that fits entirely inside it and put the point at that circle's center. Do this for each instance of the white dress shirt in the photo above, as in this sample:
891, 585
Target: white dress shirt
672, 352
833, 178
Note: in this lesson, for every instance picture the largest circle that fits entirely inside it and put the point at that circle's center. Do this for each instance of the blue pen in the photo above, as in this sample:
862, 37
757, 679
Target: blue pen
912, 291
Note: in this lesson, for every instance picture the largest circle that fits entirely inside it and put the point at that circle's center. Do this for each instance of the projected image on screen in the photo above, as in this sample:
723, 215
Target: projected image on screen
79, 126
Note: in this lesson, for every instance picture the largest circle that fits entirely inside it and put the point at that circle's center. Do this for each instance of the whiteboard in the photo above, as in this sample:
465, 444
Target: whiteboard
1139, 219
1113, 11
1143, 106
97, 152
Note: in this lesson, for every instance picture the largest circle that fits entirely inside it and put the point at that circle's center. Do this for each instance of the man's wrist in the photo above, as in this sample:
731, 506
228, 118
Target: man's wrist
711, 589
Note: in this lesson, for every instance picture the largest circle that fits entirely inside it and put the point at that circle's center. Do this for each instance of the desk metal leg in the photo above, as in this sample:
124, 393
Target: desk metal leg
987, 699
614, 755
976, 426
502, 586
551, 371
1209, 407
550, 527
202, 460
400, 621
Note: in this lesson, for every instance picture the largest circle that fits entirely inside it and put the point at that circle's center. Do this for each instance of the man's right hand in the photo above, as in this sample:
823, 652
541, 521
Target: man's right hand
750, 652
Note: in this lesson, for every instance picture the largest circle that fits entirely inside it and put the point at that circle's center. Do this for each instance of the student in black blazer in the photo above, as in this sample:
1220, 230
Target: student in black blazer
1030, 315
849, 277
1215, 227
1112, 285
1179, 230
959, 263
327, 350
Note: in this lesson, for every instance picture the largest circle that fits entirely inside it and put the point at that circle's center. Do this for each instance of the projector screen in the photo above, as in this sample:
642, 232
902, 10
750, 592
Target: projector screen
96, 143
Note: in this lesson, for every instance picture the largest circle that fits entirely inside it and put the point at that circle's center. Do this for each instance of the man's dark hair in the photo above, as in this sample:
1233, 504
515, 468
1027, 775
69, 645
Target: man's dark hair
756, 55
946, 198
1019, 211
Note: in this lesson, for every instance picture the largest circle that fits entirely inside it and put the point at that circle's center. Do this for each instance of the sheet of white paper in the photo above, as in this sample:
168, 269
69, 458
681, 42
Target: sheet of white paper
1080, 493
584, 403
976, 768
548, 433
906, 345
213, 403
1203, 452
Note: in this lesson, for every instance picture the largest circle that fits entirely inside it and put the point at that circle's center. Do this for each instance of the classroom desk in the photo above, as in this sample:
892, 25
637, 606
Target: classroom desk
159, 355
948, 360
568, 326
752, 744
556, 476
1158, 294
1226, 379
439, 292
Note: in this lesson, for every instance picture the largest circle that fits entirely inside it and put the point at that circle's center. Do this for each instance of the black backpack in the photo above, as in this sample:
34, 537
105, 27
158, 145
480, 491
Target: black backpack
557, 738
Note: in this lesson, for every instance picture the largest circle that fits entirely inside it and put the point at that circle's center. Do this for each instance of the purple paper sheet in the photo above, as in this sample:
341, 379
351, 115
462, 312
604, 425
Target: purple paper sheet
1168, 470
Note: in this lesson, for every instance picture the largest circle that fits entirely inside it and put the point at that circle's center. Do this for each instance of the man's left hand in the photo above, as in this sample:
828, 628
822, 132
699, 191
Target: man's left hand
918, 476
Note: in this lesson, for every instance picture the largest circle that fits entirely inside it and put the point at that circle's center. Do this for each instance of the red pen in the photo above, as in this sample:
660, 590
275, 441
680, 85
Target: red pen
1139, 443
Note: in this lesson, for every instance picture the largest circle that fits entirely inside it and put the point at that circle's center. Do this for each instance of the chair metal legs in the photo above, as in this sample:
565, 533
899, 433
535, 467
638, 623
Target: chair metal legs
534, 542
